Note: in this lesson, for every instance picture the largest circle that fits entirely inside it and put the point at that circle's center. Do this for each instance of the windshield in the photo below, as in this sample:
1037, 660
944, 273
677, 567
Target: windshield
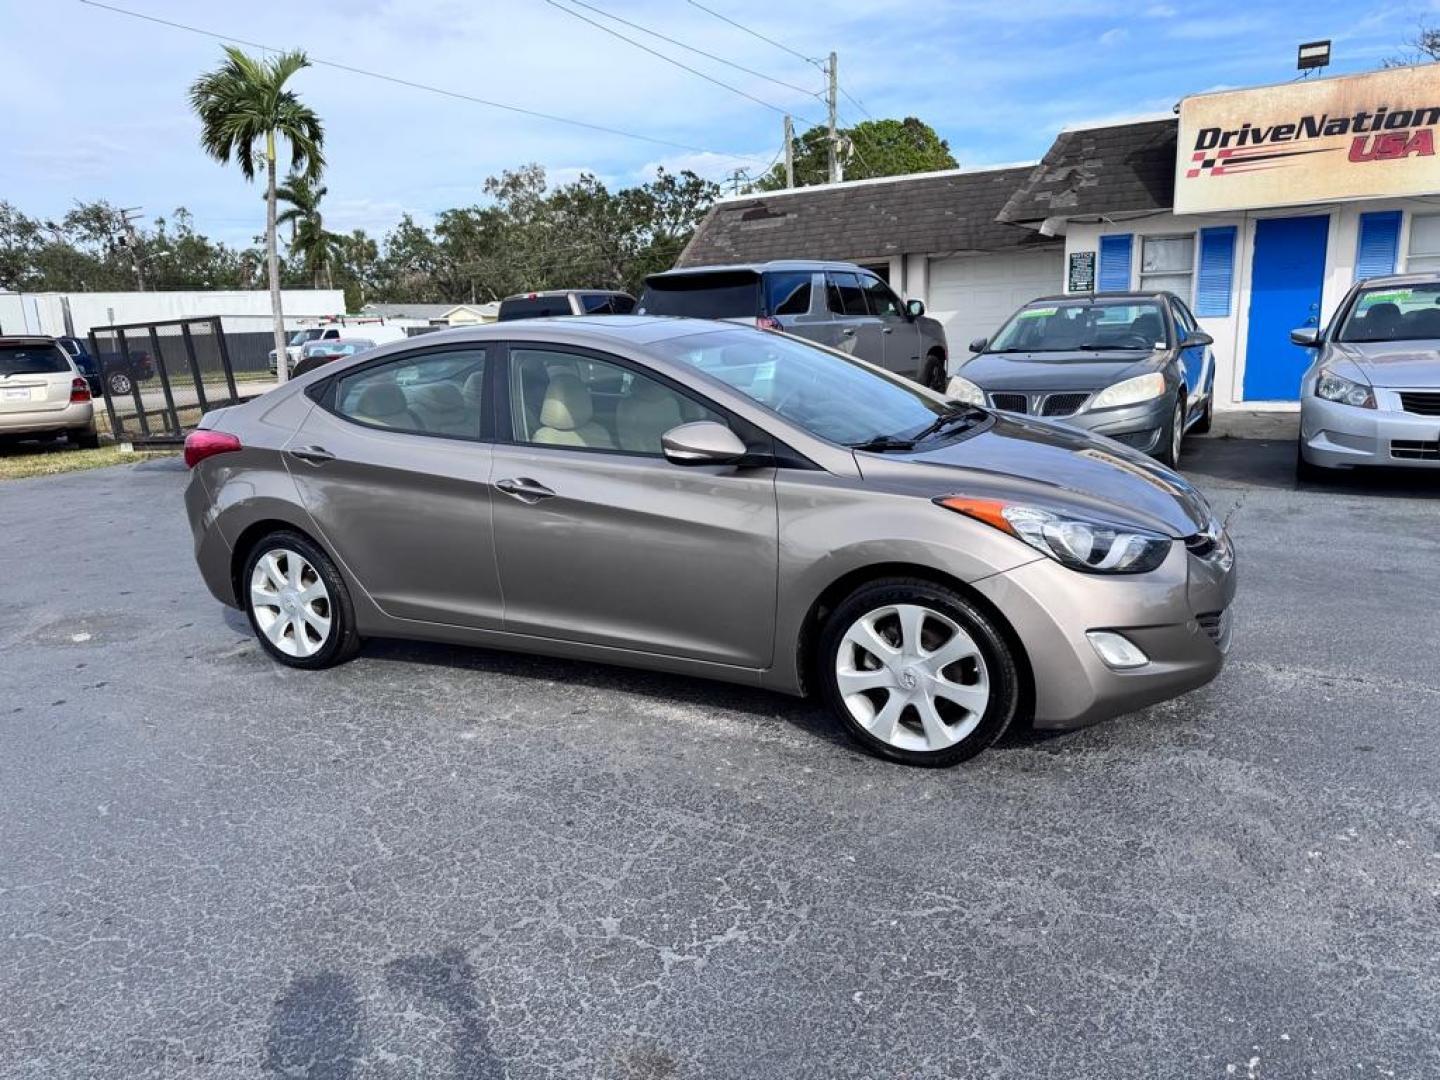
830, 396
1083, 325
730, 294
32, 360
1394, 313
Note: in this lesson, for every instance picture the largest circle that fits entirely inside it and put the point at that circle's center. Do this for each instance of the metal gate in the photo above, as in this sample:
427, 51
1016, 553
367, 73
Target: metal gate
159, 378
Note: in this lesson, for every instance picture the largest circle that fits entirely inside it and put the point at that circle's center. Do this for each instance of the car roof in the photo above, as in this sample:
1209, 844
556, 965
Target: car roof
1152, 294
759, 267
1402, 279
27, 339
565, 292
574, 330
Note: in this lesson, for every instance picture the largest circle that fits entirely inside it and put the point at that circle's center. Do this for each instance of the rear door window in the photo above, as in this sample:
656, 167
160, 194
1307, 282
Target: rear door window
788, 293
725, 295
533, 307
846, 297
436, 393
32, 360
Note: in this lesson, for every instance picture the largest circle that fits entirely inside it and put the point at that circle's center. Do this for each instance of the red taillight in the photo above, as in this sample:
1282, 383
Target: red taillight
202, 444
79, 391
768, 322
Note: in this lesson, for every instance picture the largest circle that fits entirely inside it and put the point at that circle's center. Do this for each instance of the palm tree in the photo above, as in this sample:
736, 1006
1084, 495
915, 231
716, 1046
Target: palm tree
319, 251
242, 102
303, 199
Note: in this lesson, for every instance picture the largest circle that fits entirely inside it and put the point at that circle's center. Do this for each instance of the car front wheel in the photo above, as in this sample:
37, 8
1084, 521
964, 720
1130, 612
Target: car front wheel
297, 602
1174, 435
916, 673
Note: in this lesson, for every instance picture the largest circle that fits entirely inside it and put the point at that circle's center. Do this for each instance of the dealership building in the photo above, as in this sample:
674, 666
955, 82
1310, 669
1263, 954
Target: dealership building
1259, 207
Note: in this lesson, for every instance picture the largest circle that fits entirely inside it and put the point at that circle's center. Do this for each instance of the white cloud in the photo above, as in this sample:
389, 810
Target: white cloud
1114, 36
1160, 11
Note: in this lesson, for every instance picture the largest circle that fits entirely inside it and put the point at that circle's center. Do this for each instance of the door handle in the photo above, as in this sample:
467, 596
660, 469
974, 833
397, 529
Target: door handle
315, 455
888, 330
849, 331
524, 489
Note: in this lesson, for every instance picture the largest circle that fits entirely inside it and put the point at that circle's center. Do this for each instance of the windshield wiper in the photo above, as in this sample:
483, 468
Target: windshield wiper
878, 444
944, 420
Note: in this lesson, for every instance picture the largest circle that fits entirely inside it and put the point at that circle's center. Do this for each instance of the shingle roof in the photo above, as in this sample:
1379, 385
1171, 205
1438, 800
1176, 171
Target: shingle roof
1101, 170
928, 213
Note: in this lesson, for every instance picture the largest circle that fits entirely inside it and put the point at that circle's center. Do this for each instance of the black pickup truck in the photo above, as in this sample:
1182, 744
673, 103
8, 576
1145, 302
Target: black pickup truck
112, 372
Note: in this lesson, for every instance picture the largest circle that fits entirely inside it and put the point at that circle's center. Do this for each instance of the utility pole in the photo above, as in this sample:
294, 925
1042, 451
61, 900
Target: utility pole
130, 239
789, 152
834, 141
736, 178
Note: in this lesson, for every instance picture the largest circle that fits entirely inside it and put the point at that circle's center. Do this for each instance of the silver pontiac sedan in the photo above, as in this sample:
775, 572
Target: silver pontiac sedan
1372, 395
719, 501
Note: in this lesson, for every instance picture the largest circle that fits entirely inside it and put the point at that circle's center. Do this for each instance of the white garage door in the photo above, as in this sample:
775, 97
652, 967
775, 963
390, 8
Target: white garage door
974, 294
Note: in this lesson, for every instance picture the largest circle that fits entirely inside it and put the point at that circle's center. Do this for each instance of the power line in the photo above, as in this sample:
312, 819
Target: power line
699, 52
520, 109
754, 33
856, 103
668, 59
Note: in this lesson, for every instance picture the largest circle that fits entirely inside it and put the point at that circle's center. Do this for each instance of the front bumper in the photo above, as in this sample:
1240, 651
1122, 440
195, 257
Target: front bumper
1179, 615
1139, 426
78, 414
1336, 436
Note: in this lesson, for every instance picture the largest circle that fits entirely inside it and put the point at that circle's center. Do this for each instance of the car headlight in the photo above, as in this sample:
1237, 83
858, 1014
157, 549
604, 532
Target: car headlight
964, 391
1334, 387
1130, 391
1092, 547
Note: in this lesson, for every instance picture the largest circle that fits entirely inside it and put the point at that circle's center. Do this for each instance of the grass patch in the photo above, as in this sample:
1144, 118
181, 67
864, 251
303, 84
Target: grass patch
50, 459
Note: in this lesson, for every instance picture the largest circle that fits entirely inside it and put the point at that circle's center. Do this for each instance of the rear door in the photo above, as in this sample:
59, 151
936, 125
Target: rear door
393, 466
601, 541
901, 336
856, 330
35, 377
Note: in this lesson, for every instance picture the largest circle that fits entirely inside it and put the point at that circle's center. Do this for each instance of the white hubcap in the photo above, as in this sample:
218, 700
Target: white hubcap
290, 603
912, 677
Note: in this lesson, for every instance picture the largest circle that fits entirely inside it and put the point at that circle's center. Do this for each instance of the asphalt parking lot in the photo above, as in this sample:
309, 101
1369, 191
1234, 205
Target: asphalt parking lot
454, 863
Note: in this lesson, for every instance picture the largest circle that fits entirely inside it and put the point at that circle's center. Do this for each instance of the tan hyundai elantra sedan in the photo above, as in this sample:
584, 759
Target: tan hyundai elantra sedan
720, 501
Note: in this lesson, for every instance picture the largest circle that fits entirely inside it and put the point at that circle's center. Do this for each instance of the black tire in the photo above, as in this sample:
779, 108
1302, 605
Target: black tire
1000, 667
1307, 473
1207, 418
118, 384
1171, 447
84, 438
932, 374
344, 640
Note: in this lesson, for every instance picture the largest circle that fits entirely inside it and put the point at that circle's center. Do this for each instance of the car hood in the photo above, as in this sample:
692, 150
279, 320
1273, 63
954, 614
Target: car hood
1414, 365
1054, 370
1026, 459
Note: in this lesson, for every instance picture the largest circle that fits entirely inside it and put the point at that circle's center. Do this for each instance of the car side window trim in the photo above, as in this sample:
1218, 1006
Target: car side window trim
755, 437
325, 392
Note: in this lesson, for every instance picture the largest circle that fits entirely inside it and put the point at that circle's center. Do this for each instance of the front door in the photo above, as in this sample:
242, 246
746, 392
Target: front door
900, 335
602, 541
393, 470
1287, 276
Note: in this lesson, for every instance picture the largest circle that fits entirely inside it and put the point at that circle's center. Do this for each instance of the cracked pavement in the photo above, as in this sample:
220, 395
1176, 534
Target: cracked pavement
443, 862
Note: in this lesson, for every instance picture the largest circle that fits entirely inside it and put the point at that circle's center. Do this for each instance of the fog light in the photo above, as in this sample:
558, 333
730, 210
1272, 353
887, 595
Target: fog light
1118, 652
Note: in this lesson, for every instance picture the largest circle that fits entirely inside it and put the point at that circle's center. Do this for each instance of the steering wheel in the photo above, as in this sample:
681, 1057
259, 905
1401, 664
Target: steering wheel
1132, 341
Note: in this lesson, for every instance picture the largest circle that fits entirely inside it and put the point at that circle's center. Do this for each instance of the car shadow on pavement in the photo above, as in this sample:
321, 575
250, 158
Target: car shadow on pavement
1270, 463
317, 1029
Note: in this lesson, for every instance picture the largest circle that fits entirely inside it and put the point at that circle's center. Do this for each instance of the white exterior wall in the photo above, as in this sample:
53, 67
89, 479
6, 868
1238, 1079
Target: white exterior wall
43, 313
1229, 331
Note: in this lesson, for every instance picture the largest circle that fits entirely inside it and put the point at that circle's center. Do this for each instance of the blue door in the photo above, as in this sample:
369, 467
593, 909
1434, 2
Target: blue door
1286, 278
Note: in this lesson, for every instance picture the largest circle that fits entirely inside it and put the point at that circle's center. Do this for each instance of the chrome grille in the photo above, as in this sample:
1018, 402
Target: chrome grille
1422, 404
1414, 450
1063, 404
1010, 402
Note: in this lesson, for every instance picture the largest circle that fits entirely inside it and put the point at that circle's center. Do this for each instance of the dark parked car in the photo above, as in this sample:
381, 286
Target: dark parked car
840, 305
112, 372
540, 305
1133, 366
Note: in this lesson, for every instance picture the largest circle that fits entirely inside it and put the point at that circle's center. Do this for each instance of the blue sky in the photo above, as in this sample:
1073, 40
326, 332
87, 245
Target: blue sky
94, 103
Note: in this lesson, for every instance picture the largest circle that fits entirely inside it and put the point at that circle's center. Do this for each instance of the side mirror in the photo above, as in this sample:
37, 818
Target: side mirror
1307, 337
702, 443
1196, 339
914, 308
978, 345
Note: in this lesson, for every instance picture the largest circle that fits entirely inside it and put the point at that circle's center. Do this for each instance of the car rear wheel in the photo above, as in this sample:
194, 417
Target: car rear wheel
916, 673
84, 438
118, 383
297, 602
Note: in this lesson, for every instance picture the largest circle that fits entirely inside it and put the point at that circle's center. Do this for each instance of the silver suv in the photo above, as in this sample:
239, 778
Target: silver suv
840, 305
